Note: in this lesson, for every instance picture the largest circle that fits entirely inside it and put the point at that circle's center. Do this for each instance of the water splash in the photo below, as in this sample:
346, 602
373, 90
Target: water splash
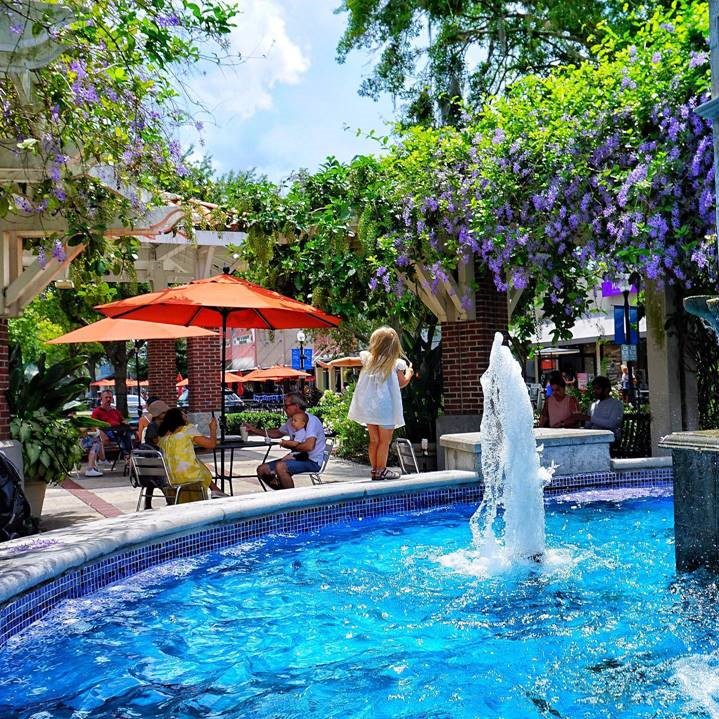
698, 679
513, 477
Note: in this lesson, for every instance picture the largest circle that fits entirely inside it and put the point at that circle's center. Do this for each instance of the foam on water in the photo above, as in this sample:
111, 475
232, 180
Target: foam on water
698, 678
514, 480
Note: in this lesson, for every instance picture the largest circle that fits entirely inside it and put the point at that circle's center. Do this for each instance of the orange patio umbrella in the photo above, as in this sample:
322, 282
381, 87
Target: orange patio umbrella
112, 330
103, 383
230, 378
220, 302
278, 372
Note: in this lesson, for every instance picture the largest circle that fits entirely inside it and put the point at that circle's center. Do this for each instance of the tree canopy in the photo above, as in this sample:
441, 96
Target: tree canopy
433, 52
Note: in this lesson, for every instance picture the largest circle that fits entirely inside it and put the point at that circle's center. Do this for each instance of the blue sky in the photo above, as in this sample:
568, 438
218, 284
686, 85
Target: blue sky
288, 104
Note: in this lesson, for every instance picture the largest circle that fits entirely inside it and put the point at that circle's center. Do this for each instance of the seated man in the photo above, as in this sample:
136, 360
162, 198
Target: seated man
605, 412
92, 444
278, 473
107, 413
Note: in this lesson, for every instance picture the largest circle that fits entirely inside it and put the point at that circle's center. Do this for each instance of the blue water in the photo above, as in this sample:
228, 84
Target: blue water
366, 621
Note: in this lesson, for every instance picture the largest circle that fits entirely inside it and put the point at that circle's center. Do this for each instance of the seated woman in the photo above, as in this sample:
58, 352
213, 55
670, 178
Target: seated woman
178, 439
559, 409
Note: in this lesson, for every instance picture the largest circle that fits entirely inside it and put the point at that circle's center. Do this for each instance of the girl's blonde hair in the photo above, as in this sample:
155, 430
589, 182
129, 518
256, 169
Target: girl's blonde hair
385, 350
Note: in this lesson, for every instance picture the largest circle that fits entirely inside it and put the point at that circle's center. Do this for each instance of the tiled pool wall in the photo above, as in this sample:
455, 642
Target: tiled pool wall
34, 604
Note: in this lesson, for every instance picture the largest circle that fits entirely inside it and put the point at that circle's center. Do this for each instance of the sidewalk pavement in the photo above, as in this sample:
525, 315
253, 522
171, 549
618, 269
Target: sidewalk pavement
85, 499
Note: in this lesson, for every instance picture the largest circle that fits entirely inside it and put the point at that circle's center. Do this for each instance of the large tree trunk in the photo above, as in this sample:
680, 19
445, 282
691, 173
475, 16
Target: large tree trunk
117, 354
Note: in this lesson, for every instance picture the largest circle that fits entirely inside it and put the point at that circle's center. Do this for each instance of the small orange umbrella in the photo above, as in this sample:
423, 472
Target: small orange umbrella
220, 302
278, 372
230, 378
103, 383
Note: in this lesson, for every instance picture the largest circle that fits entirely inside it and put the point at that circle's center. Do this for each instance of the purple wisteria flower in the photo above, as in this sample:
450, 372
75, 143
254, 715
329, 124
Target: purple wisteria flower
697, 59
58, 251
42, 258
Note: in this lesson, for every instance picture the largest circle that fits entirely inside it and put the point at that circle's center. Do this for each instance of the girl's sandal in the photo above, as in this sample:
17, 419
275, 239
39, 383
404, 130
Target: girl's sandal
374, 474
385, 473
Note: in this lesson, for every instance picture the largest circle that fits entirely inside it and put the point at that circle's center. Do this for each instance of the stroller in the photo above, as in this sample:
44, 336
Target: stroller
15, 518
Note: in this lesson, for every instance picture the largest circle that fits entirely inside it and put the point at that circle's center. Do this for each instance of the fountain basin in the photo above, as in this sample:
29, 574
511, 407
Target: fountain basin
37, 573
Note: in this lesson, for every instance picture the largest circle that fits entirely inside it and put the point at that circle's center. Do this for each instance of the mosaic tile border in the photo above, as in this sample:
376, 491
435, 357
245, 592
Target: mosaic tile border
18, 614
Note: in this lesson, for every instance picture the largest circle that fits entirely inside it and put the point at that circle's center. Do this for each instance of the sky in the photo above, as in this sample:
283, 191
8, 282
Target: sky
289, 104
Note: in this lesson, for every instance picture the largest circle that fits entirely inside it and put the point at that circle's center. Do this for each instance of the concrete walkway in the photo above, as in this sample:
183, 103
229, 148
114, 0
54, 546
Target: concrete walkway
86, 499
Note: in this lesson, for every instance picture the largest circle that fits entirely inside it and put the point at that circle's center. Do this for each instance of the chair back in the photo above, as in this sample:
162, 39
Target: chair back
407, 458
327, 453
148, 468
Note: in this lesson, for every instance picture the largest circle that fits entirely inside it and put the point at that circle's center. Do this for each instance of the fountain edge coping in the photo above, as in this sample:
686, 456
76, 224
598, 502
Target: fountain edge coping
29, 562
706, 440
542, 435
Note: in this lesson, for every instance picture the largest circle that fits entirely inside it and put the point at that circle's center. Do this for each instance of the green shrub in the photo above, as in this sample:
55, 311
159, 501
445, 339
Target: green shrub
263, 419
332, 411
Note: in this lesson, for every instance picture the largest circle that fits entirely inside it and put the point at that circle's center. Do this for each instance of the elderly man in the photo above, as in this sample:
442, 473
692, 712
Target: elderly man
605, 412
278, 473
118, 430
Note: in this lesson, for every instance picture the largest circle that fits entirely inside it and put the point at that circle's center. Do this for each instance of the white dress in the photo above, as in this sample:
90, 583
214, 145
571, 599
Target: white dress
377, 400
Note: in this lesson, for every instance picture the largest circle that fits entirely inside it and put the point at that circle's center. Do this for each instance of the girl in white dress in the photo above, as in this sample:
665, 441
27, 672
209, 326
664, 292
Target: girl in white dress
377, 401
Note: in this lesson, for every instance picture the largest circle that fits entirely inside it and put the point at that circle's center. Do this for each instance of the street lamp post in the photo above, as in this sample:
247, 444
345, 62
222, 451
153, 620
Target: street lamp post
301, 337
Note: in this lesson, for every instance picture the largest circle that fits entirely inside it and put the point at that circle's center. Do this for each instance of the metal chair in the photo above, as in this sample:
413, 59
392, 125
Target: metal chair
407, 458
148, 472
316, 477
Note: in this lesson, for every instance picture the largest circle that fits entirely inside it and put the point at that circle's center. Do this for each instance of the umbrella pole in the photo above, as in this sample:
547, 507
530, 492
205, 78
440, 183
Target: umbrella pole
138, 344
223, 355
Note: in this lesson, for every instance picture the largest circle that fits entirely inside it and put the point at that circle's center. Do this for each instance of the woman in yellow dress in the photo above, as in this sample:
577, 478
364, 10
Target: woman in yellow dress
178, 439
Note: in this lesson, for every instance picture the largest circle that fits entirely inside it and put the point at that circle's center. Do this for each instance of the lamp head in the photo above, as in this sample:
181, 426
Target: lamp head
301, 337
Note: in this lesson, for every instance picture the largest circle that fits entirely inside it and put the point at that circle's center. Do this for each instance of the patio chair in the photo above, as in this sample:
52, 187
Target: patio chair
148, 472
316, 477
406, 455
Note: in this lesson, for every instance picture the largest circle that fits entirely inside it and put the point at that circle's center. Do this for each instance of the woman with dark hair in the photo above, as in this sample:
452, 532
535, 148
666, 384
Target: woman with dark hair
178, 439
560, 409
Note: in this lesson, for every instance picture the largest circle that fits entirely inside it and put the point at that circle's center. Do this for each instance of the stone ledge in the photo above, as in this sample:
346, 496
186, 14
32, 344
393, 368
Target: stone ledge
561, 446
629, 465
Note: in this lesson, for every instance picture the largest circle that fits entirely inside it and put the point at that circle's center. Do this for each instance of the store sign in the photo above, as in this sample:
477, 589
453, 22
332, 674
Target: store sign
629, 353
307, 364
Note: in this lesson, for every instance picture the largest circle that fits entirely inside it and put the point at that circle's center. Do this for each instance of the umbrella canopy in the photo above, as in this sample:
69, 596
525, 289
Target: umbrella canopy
220, 302
110, 330
103, 383
278, 372
111, 383
230, 378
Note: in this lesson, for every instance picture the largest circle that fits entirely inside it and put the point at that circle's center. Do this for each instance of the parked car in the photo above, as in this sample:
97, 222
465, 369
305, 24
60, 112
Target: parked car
232, 402
132, 404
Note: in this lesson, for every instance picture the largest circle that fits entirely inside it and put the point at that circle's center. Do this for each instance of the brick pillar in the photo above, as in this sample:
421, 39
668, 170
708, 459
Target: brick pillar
162, 370
466, 347
4, 381
204, 373
465, 356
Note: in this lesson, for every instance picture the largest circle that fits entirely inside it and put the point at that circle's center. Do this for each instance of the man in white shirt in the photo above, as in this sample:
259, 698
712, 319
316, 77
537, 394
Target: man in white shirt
278, 473
605, 412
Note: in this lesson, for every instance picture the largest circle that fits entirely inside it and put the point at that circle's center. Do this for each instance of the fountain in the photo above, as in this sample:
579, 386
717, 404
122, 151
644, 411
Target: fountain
513, 476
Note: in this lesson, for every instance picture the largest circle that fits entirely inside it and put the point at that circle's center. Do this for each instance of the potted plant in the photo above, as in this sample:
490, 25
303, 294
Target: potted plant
42, 401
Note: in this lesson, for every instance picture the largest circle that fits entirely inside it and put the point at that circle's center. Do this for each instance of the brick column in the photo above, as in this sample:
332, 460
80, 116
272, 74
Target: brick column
4, 381
465, 356
466, 347
162, 370
204, 373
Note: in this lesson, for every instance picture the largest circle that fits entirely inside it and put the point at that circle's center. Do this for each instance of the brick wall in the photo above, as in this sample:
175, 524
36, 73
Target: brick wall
466, 347
162, 370
4, 381
204, 373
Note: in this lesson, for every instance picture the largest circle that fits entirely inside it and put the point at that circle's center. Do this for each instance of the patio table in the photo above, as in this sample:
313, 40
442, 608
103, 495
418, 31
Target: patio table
231, 444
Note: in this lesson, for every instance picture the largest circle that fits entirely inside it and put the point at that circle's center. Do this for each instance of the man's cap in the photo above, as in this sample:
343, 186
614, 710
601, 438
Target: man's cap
157, 407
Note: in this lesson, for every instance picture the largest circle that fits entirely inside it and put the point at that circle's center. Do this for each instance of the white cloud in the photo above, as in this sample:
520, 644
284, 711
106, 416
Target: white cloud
269, 57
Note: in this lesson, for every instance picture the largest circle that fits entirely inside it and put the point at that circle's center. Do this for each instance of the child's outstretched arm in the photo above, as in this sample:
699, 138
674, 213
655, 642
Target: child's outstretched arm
346, 362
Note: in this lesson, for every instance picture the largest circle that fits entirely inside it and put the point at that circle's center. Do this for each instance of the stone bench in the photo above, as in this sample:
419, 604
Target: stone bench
575, 451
